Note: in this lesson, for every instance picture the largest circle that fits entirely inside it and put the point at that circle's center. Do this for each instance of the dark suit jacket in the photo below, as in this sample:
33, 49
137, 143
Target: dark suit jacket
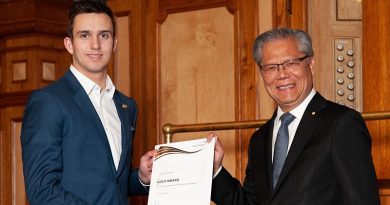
329, 162
66, 154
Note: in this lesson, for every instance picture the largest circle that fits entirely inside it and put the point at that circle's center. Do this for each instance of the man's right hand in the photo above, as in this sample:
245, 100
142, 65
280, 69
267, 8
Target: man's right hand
218, 151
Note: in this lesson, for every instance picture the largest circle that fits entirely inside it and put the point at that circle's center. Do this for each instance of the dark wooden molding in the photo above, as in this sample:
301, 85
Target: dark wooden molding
34, 16
175, 6
14, 98
122, 13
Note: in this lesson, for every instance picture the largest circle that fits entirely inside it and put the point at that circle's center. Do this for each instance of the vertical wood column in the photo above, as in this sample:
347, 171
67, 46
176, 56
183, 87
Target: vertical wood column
376, 85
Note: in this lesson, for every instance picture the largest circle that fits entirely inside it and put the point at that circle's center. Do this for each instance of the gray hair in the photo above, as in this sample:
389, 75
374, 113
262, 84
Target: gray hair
303, 39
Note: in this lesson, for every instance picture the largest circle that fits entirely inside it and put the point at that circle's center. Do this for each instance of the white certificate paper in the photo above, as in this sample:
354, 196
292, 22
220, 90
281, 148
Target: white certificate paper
182, 173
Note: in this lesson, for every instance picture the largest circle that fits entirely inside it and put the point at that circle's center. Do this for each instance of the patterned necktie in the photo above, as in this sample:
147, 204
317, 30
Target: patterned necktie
281, 145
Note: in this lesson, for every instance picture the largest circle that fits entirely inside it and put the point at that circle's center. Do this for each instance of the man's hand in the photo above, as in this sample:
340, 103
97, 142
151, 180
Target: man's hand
218, 151
146, 165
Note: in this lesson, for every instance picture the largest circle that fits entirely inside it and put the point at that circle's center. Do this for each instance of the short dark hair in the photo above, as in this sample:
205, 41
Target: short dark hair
88, 6
302, 38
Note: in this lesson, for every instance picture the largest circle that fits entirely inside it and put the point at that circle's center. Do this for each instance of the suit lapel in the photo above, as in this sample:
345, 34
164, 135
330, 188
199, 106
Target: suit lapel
81, 98
269, 150
306, 127
123, 109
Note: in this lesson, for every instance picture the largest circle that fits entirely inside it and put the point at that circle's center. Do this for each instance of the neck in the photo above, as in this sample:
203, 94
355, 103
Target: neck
97, 77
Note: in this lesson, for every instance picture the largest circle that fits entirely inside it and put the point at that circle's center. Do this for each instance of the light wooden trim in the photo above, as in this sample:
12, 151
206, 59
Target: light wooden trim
170, 129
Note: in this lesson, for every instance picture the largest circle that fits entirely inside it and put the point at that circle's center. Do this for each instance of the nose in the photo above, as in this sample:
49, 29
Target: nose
281, 71
280, 67
95, 43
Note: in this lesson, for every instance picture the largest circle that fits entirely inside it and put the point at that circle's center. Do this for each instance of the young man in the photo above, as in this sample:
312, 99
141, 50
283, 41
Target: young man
312, 151
77, 133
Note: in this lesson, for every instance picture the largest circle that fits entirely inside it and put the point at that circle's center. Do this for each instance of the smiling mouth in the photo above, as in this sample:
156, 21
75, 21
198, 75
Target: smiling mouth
285, 87
95, 56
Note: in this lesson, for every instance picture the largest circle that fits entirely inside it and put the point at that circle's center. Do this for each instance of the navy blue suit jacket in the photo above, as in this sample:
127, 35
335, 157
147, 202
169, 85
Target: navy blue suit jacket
66, 154
329, 163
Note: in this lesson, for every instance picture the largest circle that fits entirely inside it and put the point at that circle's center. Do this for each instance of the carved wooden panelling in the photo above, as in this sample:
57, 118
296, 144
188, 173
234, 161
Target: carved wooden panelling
345, 58
337, 53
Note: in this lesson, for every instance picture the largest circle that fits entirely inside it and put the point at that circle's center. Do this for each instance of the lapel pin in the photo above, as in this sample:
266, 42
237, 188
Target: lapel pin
124, 106
313, 113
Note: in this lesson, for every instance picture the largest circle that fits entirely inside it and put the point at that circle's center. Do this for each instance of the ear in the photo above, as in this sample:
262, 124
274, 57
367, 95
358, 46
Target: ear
311, 65
115, 44
68, 45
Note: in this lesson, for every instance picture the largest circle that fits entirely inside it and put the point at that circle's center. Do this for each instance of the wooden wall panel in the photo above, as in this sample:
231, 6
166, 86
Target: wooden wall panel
349, 9
197, 72
122, 56
291, 13
11, 177
265, 104
327, 33
34, 50
376, 54
18, 189
32, 55
244, 30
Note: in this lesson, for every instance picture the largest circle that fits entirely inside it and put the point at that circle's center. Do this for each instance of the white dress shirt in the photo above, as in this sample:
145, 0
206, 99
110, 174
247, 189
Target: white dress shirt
102, 100
292, 128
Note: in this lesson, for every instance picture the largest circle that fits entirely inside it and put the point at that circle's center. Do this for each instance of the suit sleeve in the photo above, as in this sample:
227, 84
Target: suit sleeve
353, 161
227, 190
135, 186
41, 138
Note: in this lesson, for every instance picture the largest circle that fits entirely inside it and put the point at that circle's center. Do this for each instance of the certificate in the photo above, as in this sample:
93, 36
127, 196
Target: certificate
182, 173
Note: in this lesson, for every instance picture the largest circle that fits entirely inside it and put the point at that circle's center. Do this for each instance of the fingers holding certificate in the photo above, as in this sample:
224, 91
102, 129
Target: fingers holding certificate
182, 173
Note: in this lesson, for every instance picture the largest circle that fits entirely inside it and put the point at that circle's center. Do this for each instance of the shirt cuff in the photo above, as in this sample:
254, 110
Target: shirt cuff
216, 173
145, 185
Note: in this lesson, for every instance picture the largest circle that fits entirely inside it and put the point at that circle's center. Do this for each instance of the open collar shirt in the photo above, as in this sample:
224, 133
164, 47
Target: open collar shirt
102, 100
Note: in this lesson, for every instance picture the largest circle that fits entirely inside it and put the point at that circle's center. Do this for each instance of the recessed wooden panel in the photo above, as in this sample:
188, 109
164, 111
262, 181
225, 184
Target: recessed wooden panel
48, 71
18, 189
349, 10
19, 71
122, 56
11, 177
197, 72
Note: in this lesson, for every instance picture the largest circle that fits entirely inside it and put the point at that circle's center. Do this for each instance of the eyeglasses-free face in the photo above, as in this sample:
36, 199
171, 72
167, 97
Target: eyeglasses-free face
287, 73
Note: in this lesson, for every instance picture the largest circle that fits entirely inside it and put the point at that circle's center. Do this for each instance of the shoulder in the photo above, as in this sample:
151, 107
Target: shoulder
340, 112
329, 109
262, 133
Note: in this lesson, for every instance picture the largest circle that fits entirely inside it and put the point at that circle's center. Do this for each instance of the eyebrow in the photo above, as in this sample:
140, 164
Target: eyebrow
99, 32
105, 31
83, 31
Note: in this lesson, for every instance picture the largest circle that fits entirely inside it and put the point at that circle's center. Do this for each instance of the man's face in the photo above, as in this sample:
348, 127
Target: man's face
288, 87
92, 43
